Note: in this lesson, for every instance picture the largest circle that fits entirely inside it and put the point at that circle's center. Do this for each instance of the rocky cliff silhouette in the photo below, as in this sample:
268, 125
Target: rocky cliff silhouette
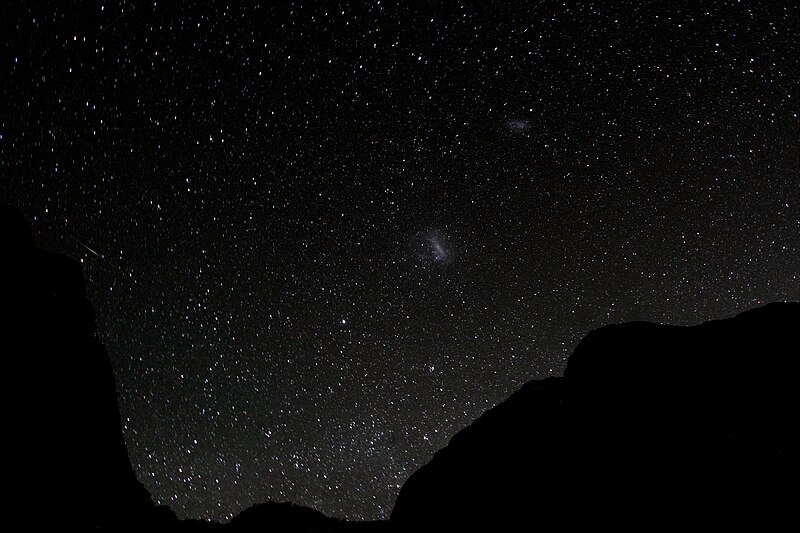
66, 462
652, 428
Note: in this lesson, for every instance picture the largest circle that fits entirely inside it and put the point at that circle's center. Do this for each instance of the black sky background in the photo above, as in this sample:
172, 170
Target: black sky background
323, 237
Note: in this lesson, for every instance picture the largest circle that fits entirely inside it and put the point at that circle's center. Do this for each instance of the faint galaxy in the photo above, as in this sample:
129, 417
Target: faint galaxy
321, 238
432, 247
518, 125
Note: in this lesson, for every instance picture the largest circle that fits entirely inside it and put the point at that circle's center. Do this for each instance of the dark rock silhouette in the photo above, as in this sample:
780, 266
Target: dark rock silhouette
652, 428
66, 462
282, 517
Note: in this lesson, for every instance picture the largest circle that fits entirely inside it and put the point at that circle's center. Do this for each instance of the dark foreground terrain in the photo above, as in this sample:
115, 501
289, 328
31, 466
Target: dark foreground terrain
652, 428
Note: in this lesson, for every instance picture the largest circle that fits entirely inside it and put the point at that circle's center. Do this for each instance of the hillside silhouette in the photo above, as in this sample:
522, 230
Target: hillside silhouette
652, 428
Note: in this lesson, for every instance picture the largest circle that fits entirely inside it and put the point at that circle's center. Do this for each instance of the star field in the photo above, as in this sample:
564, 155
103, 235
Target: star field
321, 238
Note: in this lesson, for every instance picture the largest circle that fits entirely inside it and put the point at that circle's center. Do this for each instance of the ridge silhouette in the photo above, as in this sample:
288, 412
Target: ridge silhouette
652, 428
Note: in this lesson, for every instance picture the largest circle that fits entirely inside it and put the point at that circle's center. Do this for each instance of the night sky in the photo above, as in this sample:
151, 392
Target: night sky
323, 237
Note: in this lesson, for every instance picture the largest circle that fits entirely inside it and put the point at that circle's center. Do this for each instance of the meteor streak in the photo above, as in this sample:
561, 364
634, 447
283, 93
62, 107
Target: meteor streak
90, 250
